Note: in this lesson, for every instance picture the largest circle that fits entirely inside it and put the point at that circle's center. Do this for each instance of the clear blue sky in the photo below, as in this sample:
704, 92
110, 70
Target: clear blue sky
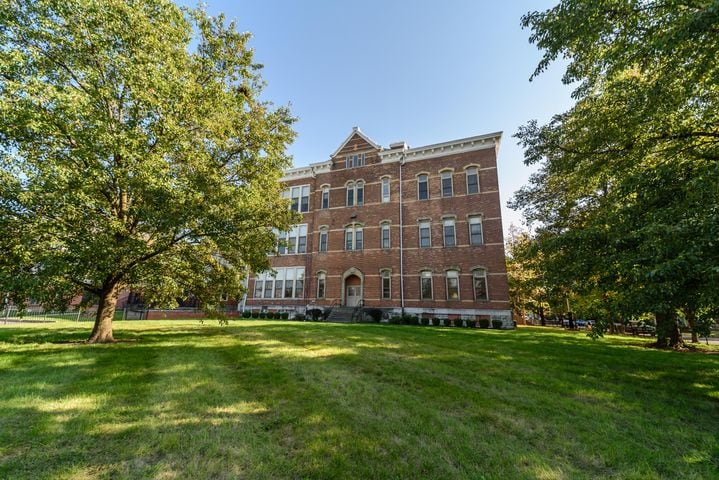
420, 71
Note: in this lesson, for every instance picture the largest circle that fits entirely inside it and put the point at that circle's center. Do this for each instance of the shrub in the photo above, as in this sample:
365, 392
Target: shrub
483, 323
246, 314
285, 315
375, 313
471, 323
314, 314
408, 319
395, 319
458, 322
255, 314
263, 315
299, 317
497, 324
270, 315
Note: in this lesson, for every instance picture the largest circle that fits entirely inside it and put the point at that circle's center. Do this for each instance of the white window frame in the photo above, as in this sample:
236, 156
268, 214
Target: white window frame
324, 232
385, 274
268, 282
321, 280
385, 227
301, 194
426, 181
386, 191
455, 275
475, 220
355, 160
296, 233
325, 195
354, 232
480, 273
446, 175
472, 171
428, 226
426, 275
446, 223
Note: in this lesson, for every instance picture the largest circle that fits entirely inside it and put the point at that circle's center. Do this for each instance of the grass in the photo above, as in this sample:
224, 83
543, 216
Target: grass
273, 399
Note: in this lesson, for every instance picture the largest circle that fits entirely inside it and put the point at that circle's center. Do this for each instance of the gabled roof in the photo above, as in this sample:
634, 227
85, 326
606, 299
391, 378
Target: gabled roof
358, 132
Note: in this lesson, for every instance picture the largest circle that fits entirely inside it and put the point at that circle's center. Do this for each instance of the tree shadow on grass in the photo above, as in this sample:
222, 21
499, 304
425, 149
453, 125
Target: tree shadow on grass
295, 401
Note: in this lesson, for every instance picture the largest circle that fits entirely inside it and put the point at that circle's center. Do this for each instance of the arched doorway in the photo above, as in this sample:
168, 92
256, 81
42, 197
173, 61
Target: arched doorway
352, 287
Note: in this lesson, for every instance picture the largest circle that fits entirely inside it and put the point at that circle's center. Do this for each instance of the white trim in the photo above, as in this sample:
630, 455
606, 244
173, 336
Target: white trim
357, 131
462, 145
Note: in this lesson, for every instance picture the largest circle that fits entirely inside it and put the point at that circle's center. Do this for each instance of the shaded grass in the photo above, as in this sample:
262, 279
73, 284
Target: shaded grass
264, 399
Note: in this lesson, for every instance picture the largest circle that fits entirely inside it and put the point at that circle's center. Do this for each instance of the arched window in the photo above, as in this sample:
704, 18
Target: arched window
447, 187
355, 193
354, 237
472, 180
423, 187
479, 279
452, 277
425, 287
321, 279
385, 235
475, 231
385, 190
386, 284
323, 239
350, 193
325, 197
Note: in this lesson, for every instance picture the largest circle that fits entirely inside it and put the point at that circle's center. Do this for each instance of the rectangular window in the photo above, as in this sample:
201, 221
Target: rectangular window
359, 195
359, 239
349, 238
323, 240
299, 198
452, 285
475, 231
282, 243
385, 190
287, 283
325, 198
385, 236
472, 180
426, 286
386, 285
321, 278
446, 184
302, 239
259, 283
295, 239
450, 239
422, 187
425, 239
480, 285
355, 160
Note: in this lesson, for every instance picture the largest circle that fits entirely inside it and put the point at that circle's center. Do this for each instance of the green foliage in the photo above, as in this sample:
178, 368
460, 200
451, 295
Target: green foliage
458, 322
624, 203
255, 314
471, 323
315, 314
135, 152
284, 315
375, 313
395, 319
300, 317
246, 314
483, 323
497, 324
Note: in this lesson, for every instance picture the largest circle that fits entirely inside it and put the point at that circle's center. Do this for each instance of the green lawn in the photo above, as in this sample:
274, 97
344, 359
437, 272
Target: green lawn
273, 399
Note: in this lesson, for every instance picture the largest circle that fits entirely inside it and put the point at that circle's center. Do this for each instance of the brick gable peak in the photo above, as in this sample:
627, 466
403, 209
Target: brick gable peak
356, 141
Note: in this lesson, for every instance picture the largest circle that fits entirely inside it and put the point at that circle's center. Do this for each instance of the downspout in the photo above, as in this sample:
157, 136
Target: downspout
401, 239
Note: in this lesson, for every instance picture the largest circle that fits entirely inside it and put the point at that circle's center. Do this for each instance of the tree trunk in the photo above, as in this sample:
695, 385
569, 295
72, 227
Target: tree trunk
668, 333
691, 320
542, 320
102, 331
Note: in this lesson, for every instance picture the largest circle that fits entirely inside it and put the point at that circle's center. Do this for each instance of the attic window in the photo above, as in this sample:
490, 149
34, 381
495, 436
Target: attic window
355, 160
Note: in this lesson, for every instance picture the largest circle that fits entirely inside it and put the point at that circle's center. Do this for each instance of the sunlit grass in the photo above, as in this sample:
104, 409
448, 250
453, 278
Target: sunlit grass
261, 399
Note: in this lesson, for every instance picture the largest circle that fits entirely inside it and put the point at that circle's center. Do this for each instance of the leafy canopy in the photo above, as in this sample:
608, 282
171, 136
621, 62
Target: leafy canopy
625, 203
135, 152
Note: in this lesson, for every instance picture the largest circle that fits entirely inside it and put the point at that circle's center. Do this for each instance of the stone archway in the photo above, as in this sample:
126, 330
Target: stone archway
352, 287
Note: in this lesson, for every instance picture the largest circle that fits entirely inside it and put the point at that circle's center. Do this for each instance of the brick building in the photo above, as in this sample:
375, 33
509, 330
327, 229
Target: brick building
395, 228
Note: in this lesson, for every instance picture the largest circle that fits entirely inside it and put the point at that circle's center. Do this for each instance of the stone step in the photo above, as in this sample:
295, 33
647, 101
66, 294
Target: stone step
341, 315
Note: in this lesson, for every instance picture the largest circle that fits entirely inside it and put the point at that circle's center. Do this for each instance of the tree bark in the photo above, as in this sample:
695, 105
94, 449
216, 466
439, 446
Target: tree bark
691, 320
102, 331
668, 333
541, 317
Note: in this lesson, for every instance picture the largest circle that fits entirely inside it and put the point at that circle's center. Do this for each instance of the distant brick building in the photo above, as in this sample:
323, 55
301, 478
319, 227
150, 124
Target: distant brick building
395, 228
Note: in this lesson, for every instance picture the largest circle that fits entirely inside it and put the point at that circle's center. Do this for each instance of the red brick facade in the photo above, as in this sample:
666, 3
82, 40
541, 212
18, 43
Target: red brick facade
359, 272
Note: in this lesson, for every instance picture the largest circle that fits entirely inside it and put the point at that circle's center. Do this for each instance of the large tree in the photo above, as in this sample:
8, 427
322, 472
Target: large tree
625, 202
134, 153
